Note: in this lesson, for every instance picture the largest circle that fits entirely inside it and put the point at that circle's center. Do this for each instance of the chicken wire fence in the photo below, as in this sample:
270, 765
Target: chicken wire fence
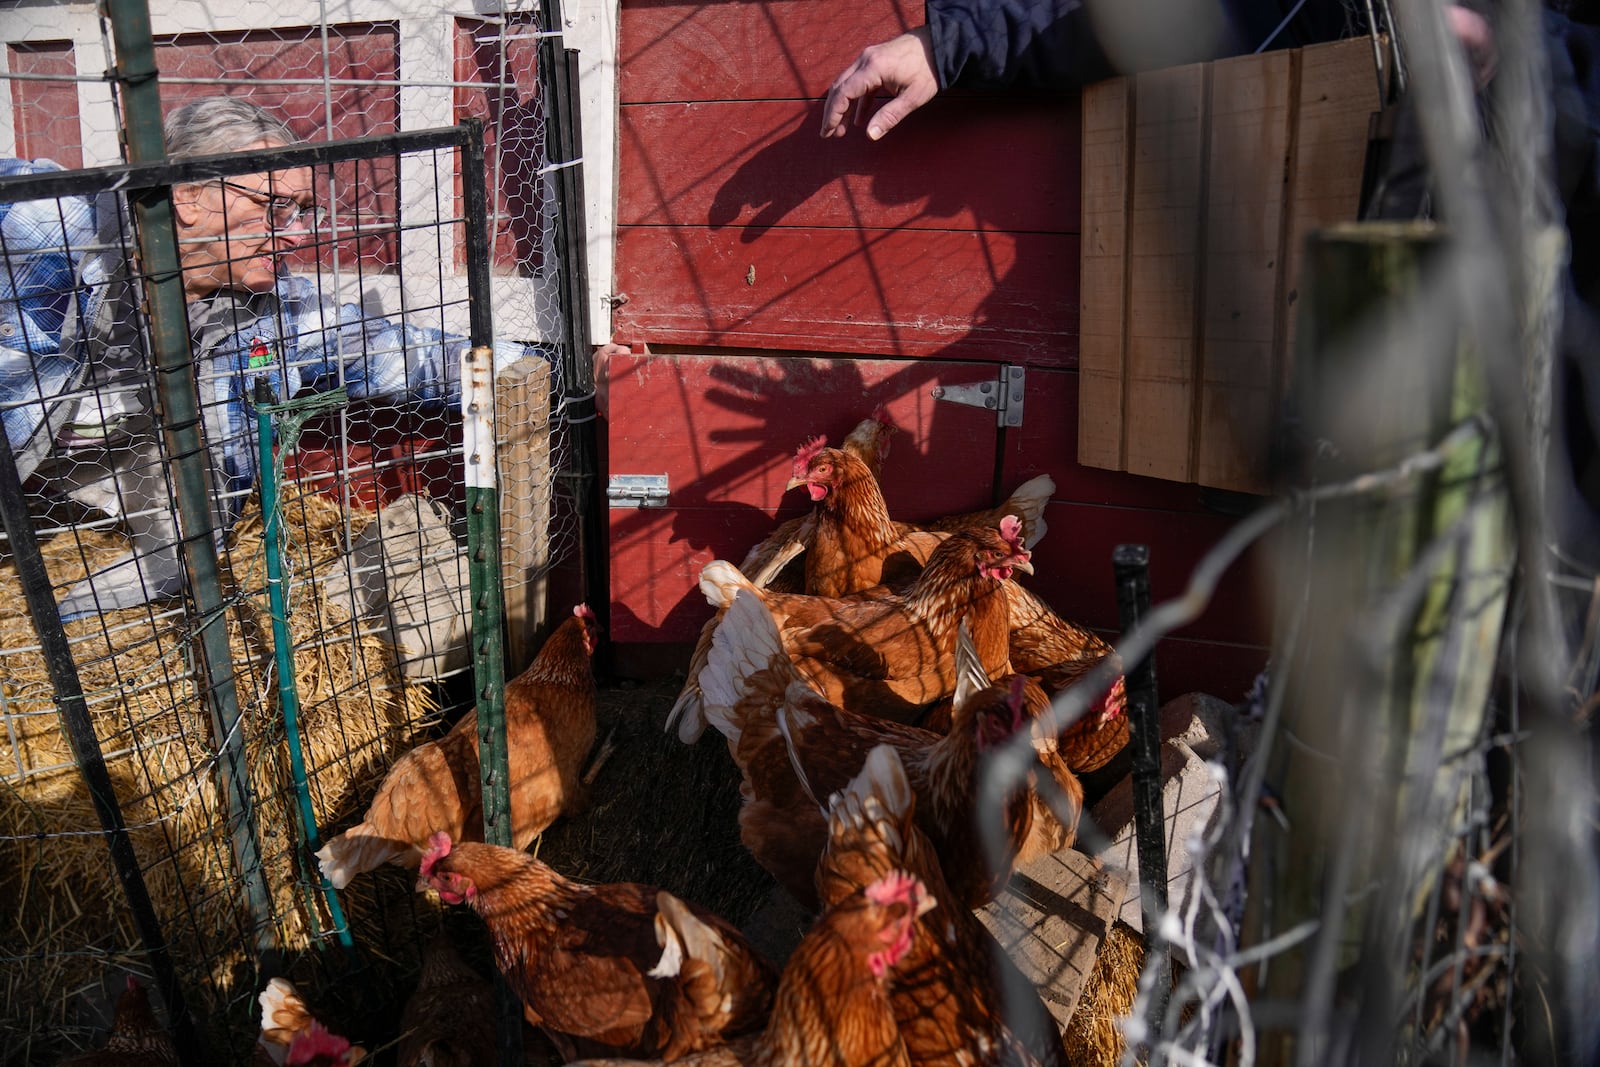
1401, 857
343, 478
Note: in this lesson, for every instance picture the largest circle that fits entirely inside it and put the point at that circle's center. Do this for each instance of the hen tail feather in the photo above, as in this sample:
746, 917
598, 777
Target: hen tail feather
746, 645
356, 851
721, 581
1027, 502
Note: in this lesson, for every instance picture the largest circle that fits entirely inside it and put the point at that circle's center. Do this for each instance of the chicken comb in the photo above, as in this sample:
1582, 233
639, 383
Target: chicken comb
1011, 530
1116, 701
316, 1045
1017, 702
584, 611
881, 414
438, 849
808, 452
895, 887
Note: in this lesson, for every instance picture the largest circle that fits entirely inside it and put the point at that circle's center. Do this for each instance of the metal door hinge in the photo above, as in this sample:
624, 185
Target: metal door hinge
1003, 396
637, 491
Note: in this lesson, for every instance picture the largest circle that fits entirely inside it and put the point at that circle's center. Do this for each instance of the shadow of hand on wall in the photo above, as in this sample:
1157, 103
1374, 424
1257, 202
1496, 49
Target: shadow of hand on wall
797, 179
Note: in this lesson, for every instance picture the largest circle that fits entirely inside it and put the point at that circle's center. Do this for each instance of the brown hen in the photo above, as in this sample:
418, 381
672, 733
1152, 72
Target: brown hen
1056, 653
832, 1007
774, 720
626, 968
287, 1019
959, 999
893, 654
848, 544
854, 544
449, 1020
136, 1039
550, 727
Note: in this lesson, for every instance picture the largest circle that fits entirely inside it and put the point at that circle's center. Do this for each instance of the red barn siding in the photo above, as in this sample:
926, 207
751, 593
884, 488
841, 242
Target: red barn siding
758, 164
508, 104
672, 50
724, 428
882, 292
45, 113
742, 234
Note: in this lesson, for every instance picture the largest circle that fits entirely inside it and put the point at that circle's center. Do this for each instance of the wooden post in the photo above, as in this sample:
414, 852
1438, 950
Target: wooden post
1404, 593
522, 432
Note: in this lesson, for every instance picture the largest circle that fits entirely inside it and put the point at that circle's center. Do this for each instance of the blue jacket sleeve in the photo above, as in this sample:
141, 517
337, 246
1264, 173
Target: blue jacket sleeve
1056, 44
1039, 44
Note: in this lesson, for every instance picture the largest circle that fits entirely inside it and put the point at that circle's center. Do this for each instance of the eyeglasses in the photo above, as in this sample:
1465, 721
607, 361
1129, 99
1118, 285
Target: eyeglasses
282, 211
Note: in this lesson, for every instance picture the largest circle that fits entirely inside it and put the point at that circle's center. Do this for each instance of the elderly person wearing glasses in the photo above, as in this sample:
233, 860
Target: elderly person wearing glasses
75, 374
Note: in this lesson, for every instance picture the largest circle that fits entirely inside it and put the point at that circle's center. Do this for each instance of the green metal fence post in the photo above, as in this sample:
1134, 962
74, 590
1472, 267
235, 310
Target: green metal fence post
283, 656
483, 546
178, 403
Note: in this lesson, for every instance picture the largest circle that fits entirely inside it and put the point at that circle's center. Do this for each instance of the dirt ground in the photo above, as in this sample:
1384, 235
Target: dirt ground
665, 813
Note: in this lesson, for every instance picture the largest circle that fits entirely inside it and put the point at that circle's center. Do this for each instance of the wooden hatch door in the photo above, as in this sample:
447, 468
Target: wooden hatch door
723, 429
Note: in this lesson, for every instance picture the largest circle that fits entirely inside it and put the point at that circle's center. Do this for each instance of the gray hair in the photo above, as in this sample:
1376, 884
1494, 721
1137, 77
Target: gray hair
216, 124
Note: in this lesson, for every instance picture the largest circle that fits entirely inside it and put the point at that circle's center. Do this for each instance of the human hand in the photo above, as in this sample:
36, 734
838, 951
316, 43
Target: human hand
902, 66
1477, 38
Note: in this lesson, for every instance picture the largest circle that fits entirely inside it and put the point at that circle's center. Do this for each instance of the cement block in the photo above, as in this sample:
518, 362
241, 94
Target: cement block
1192, 727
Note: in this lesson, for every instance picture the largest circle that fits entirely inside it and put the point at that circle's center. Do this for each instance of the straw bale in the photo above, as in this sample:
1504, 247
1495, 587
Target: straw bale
1093, 1035
357, 715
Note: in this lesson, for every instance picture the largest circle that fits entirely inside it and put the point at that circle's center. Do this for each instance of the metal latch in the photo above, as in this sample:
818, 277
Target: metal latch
637, 491
1003, 397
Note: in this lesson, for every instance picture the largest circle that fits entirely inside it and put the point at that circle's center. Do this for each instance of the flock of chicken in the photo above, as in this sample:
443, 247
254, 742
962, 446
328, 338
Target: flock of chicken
861, 671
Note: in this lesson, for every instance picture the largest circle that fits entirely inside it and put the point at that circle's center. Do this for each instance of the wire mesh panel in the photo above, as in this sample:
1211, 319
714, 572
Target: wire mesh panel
355, 327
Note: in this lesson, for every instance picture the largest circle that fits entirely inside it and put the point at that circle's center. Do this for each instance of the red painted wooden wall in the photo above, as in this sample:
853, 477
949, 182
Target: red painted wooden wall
45, 112
782, 285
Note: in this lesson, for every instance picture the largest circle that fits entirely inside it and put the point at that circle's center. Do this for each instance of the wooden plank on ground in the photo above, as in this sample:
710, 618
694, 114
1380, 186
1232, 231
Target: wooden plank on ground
1102, 315
1251, 108
1052, 919
522, 443
1164, 246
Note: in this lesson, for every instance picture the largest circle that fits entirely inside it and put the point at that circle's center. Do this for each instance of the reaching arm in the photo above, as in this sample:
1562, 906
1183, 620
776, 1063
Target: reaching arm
1057, 45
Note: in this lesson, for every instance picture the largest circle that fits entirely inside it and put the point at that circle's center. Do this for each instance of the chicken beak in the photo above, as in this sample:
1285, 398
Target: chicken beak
1022, 565
795, 483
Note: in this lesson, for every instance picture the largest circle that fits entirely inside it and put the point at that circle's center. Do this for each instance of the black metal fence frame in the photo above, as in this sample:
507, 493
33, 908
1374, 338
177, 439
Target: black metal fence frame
178, 394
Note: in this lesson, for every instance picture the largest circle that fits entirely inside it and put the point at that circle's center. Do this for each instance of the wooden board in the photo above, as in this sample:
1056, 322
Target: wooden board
723, 428
955, 238
1052, 918
1251, 106
1216, 174
1165, 250
522, 443
1072, 568
1103, 281
944, 294
1046, 442
1337, 94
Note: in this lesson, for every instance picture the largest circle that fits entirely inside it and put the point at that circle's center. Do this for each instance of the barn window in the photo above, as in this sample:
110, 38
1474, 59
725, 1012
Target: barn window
44, 113
497, 81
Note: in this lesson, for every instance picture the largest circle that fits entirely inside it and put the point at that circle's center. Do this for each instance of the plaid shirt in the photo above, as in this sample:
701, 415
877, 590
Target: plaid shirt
76, 383
41, 242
